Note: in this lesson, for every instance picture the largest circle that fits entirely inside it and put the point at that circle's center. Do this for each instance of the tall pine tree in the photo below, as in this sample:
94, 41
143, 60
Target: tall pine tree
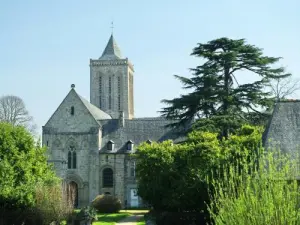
217, 99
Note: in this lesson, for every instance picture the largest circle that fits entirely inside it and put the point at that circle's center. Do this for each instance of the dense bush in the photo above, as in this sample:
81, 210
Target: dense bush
20, 216
23, 165
171, 176
107, 204
52, 203
263, 191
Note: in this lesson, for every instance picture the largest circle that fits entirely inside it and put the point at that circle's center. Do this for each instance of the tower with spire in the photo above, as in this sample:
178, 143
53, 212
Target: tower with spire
111, 82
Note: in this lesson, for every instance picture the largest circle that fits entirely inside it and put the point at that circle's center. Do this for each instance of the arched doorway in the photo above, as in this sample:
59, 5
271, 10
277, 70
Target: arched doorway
72, 193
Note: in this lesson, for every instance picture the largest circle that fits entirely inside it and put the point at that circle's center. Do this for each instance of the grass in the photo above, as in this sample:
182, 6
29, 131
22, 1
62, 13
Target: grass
141, 221
110, 219
135, 211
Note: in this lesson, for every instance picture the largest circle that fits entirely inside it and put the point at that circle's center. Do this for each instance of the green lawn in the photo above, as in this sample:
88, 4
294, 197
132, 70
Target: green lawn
141, 222
135, 211
110, 219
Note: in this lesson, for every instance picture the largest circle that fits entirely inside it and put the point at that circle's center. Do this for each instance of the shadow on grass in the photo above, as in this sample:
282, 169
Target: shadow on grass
113, 217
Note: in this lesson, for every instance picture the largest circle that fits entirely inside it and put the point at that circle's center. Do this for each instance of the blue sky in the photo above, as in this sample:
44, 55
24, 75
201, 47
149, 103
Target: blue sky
45, 46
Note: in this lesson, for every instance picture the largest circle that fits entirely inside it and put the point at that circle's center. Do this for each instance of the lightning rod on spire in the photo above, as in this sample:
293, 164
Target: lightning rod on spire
112, 27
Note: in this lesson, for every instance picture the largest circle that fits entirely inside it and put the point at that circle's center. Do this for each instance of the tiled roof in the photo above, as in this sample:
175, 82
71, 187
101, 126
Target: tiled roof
283, 130
111, 51
137, 130
97, 113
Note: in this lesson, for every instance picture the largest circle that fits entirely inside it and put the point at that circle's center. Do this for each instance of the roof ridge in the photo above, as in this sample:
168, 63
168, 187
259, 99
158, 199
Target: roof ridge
97, 113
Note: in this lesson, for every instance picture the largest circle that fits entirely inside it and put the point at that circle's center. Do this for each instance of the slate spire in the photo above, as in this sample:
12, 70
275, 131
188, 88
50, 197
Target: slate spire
111, 51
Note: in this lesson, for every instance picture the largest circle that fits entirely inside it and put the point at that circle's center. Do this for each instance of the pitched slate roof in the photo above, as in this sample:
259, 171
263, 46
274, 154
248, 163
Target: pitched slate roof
111, 51
97, 113
137, 130
283, 130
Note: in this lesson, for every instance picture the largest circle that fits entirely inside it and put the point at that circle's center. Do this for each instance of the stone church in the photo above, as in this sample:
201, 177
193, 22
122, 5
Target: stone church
90, 142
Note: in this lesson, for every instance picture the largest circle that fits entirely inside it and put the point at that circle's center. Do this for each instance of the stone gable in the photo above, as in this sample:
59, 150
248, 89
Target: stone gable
63, 121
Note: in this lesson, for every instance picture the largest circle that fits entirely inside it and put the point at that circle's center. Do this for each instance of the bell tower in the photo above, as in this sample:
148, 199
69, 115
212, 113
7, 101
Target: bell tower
111, 82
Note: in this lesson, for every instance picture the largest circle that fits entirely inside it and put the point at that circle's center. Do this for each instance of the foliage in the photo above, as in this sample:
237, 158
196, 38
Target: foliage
107, 204
110, 219
51, 202
170, 176
263, 191
141, 221
216, 91
23, 164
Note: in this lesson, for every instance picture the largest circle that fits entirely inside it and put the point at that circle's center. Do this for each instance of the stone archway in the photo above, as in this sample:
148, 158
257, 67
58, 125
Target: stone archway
72, 193
80, 194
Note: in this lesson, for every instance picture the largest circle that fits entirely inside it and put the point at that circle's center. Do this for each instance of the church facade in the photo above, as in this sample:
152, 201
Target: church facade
91, 143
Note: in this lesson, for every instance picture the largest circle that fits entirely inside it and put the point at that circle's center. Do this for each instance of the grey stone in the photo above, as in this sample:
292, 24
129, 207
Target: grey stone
86, 128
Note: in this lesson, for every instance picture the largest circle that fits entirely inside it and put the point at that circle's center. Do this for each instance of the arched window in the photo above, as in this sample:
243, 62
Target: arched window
69, 160
132, 169
72, 110
72, 158
100, 91
109, 93
108, 177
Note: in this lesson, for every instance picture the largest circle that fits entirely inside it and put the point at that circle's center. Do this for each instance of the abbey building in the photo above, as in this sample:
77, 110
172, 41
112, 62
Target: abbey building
96, 138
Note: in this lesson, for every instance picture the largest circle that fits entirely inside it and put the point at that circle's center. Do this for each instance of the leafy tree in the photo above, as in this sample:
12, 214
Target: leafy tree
170, 175
23, 164
216, 93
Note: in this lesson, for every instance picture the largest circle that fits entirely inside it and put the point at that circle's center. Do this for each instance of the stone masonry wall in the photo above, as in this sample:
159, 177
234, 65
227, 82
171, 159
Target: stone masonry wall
113, 70
63, 121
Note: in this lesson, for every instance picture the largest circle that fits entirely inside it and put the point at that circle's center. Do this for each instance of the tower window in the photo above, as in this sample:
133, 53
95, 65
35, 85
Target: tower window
100, 92
72, 110
109, 92
106, 158
108, 177
130, 93
72, 158
119, 93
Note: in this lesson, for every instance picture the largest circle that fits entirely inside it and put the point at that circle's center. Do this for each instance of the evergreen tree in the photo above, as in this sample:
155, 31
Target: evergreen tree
216, 93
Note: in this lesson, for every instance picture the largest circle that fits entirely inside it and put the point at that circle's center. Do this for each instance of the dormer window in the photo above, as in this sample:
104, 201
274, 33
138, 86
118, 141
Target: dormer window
110, 145
72, 110
129, 145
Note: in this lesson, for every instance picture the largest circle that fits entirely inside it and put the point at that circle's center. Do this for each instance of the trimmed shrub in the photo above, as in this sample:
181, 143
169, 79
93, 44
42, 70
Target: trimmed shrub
107, 204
